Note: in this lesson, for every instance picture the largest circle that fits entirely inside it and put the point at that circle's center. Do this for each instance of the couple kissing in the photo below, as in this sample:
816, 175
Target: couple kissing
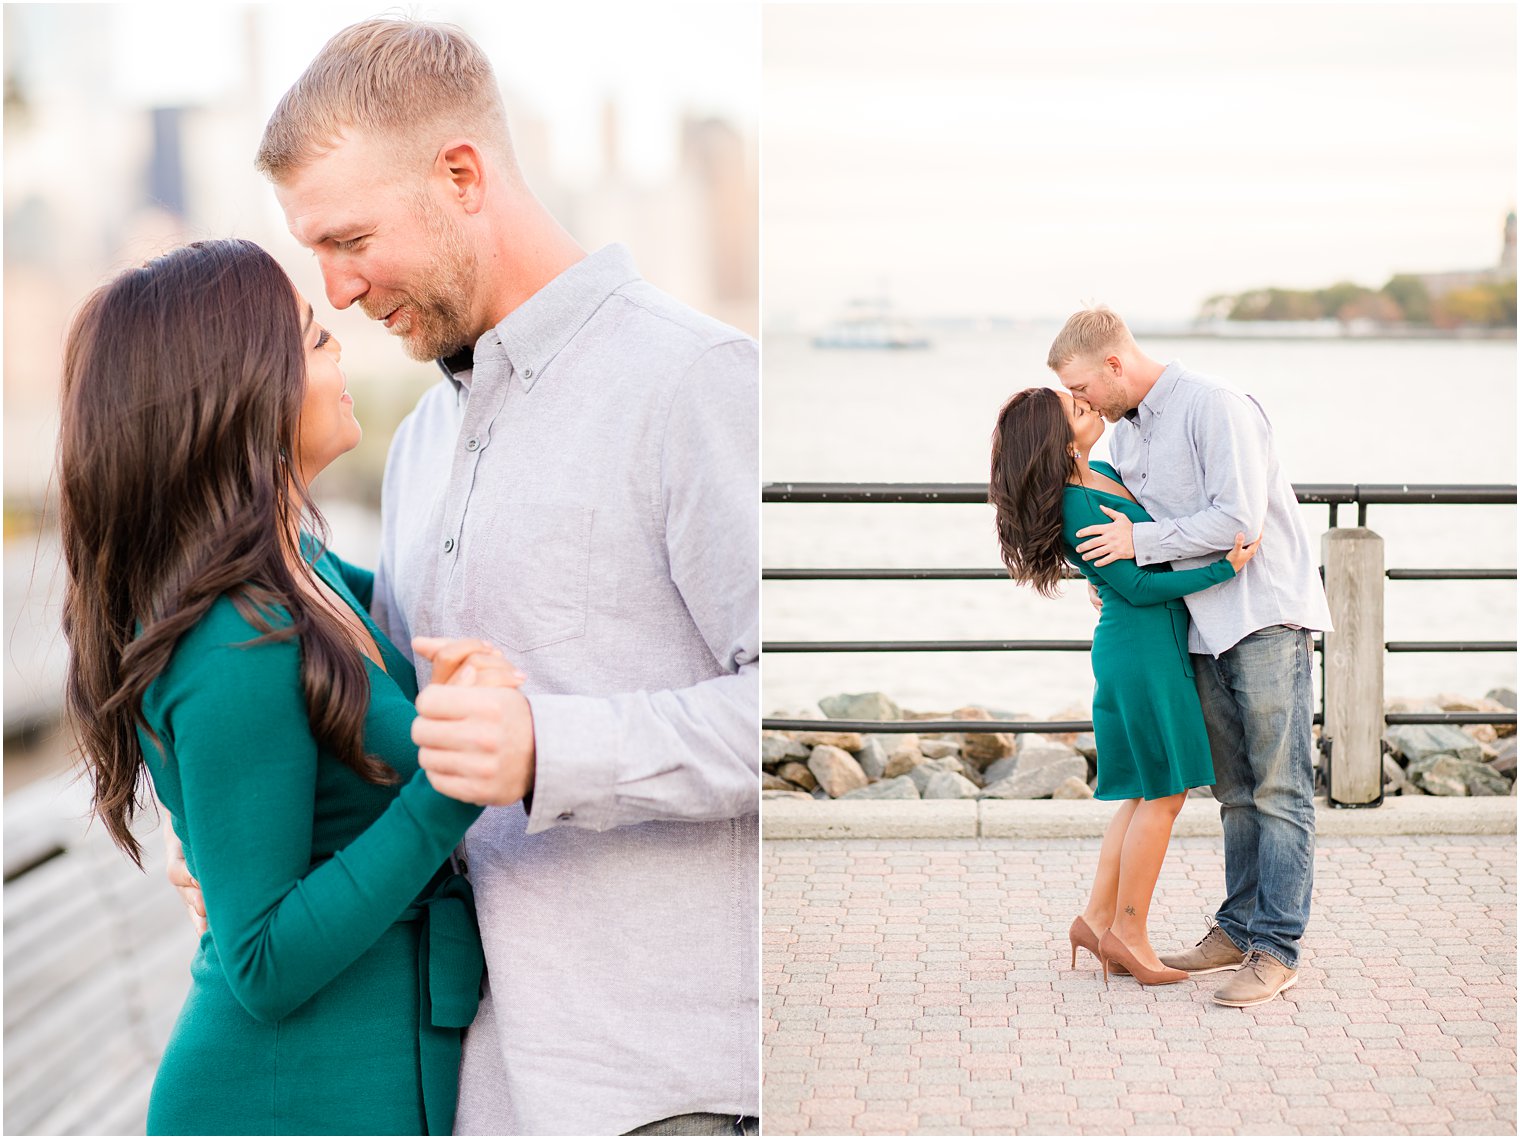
1208, 591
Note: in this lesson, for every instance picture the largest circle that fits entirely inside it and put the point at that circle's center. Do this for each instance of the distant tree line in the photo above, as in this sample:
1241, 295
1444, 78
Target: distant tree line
1403, 300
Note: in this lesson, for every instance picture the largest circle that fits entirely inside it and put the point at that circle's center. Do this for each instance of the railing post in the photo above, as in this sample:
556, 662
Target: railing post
1354, 664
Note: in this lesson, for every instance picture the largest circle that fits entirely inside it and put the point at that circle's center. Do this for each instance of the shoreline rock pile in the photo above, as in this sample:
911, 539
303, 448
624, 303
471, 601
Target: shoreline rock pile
1441, 759
1435, 759
924, 765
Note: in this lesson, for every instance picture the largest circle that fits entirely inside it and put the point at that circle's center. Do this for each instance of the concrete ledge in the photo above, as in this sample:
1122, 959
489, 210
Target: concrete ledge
1045, 818
1424, 814
934, 818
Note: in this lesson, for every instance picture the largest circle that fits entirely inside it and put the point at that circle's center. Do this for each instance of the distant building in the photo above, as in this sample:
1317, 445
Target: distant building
162, 168
1439, 284
695, 235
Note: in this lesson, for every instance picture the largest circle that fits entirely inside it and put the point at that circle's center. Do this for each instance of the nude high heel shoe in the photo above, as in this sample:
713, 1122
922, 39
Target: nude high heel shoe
1113, 952
1082, 934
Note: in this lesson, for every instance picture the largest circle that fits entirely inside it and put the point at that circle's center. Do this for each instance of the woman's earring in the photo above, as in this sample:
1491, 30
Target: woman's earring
1075, 453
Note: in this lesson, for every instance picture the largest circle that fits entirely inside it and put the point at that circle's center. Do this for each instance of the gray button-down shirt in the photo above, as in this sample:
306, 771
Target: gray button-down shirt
586, 498
1199, 457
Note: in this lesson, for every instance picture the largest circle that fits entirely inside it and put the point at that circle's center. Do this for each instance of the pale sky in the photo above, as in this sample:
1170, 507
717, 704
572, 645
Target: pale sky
1021, 159
657, 59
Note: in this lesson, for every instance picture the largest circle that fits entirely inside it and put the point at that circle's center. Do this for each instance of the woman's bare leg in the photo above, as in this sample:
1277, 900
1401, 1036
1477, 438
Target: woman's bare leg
1105, 889
1145, 843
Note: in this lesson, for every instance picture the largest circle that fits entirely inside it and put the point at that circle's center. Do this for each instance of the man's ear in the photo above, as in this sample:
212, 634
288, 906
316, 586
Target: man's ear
463, 167
1114, 365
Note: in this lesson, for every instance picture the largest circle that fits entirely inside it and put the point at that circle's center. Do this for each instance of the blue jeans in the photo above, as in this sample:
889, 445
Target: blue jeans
1258, 705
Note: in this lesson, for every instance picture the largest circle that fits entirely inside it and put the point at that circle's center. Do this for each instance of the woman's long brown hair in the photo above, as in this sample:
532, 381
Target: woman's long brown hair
182, 389
1031, 463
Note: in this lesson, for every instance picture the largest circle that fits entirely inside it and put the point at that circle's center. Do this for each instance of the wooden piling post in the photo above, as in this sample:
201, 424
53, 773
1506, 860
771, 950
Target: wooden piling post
1354, 664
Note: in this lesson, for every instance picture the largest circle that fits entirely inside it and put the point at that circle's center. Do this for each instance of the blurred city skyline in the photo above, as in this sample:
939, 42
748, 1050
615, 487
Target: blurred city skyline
1020, 160
633, 126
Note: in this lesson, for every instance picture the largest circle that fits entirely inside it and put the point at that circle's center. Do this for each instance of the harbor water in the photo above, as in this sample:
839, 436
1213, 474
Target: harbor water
1366, 411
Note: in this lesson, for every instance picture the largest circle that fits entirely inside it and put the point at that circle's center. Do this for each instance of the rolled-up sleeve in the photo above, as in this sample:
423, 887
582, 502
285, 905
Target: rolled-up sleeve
691, 753
1231, 437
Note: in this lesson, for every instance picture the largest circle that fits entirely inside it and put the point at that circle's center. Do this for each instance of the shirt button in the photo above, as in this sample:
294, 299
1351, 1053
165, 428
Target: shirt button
565, 816
527, 373
448, 545
472, 445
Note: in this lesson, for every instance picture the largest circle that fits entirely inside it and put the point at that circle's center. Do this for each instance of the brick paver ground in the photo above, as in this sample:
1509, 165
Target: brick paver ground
924, 987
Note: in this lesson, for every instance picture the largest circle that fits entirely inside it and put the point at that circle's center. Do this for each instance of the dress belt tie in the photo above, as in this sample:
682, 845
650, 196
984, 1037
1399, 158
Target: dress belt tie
450, 965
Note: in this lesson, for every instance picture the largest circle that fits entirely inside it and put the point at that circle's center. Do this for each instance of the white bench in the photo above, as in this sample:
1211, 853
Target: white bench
97, 963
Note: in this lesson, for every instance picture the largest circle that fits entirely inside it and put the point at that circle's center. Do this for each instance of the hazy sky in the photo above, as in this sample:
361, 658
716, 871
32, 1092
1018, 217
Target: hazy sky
1023, 158
657, 59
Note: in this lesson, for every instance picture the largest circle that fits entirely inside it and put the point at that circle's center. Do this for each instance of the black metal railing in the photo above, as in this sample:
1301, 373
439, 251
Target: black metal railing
1331, 495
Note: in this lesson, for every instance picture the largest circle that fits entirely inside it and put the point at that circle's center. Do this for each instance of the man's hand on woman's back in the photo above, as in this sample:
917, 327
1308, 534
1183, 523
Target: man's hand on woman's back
180, 878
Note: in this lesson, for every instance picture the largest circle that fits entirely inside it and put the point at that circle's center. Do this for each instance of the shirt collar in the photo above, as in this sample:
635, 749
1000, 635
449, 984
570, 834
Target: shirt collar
461, 362
533, 333
1155, 400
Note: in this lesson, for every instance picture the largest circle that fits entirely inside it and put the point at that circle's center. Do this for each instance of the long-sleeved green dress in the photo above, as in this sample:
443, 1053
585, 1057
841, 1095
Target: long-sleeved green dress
343, 959
1147, 722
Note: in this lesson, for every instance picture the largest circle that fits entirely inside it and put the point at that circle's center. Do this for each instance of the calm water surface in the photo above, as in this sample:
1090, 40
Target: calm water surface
1371, 412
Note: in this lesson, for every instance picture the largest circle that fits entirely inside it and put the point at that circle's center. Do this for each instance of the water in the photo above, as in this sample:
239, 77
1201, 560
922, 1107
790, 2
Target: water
1371, 412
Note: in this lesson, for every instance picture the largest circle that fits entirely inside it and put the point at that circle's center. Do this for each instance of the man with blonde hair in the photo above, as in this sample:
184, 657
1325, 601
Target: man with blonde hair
580, 489
1199, 456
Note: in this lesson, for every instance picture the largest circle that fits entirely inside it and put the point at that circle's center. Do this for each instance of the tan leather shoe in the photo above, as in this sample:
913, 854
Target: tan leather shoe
1257, 981
1214, 952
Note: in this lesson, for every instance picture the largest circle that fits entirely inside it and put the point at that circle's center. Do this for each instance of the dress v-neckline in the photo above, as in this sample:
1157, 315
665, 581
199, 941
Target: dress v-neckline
1111, 494
341, 590
1099, 490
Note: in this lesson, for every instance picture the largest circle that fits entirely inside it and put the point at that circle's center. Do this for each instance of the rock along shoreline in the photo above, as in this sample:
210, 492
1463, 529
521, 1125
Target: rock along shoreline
1475, 760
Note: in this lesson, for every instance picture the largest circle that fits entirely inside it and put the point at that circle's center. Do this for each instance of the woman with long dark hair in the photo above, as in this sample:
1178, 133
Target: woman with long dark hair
218, 649
1147, 722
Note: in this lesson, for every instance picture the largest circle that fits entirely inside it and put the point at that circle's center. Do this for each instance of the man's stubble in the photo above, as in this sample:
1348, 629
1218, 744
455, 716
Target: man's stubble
438, 304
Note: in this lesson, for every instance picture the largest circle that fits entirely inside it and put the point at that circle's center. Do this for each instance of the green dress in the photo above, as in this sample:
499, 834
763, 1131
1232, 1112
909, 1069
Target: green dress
343, 958
1147, 722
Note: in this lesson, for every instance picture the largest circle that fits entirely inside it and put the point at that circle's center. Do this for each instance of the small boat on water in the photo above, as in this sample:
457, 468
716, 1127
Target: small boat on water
871, 322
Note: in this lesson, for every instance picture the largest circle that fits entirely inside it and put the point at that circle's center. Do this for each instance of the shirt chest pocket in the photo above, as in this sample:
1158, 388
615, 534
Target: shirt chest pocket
526, 574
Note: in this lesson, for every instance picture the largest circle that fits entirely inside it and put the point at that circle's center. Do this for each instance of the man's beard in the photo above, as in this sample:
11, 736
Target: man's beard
1110, 404
437, 307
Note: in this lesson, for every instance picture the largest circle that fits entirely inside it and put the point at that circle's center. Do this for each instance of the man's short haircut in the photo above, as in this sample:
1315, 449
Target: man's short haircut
408, 80
1089, 334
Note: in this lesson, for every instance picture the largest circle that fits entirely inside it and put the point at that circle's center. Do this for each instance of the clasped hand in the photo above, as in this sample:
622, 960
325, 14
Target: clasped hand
474, 729
474, 733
